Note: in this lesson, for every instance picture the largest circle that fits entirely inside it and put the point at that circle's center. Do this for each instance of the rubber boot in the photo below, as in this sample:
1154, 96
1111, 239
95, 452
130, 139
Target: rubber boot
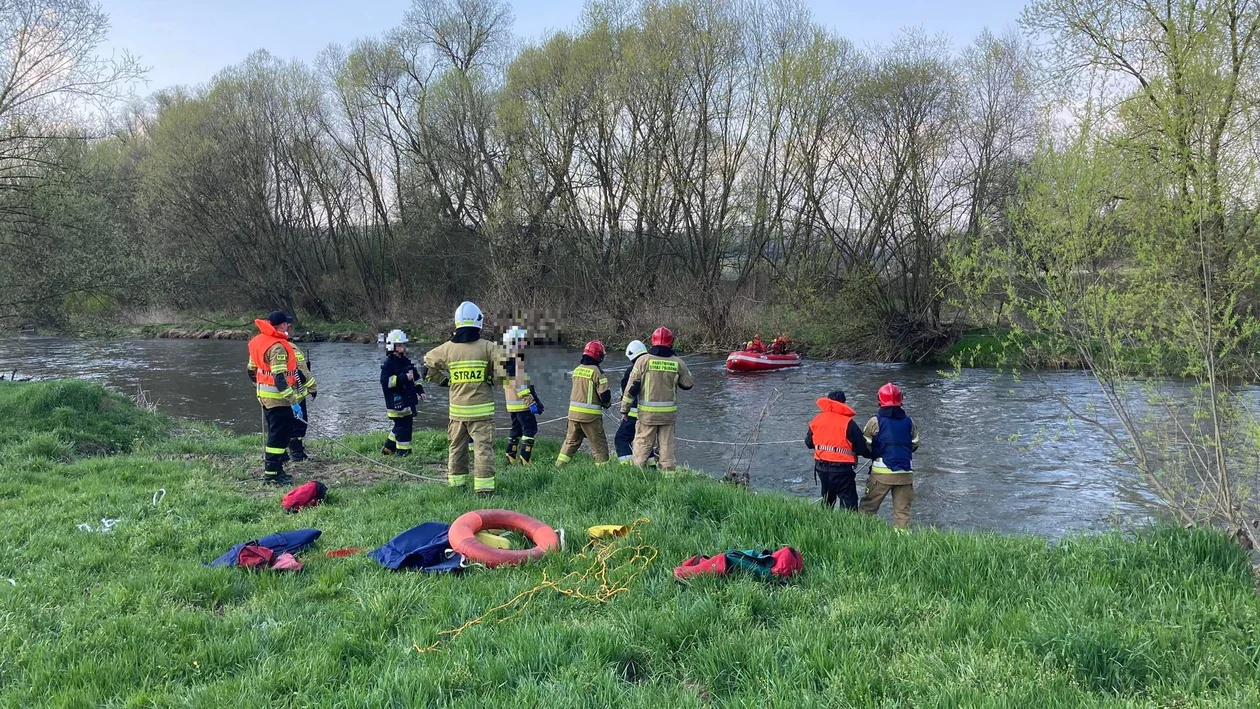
276, 478
403, 452
527, 451
513, 446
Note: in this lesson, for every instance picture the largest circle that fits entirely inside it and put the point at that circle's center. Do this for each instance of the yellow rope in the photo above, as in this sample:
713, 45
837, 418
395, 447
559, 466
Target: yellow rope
601, 569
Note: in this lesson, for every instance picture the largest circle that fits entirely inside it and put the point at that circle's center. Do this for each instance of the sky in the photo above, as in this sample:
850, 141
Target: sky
189, 41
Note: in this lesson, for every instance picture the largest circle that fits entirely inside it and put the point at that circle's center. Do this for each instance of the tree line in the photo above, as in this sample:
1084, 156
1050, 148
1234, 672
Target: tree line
706, 161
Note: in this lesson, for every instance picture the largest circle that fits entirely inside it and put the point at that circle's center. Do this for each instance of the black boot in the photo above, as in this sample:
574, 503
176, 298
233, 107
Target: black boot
403, 452
527, 451
297, 450
513, 446
276, 478
390, 447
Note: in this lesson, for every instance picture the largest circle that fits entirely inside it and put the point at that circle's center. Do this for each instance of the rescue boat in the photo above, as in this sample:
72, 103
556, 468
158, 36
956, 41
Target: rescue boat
746, 361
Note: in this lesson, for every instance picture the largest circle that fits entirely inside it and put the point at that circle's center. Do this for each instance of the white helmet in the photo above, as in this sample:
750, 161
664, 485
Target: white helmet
468, 315
396, 337
634, 349
514, 335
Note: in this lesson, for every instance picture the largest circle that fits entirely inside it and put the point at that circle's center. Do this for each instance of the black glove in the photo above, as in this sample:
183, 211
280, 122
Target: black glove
313, 395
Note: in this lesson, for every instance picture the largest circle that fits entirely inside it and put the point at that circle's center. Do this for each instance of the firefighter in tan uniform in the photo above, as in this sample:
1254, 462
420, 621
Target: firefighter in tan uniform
472, 368
522, 401
654, 383
587, 401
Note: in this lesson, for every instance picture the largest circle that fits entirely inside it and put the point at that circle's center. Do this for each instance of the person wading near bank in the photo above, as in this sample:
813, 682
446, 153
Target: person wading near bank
837, 440
587, 400
522, 401
306, 391
893, 438
399, 384
472, 368
654, 383
273, 369
624, 439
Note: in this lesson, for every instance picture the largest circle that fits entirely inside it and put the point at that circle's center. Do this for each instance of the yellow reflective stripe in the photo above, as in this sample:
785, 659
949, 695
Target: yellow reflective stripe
603, 381
459, 480
483, 484
584, 408
523, 392
584, 373
279, 368
517, 407
403, 445
393, 381
634, 413
562, 458
658, 407
274, 451
275, 395
395, 414
477, 410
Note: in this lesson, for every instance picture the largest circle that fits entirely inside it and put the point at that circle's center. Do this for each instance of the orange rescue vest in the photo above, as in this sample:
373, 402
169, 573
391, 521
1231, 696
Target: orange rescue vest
830, 430
268, 336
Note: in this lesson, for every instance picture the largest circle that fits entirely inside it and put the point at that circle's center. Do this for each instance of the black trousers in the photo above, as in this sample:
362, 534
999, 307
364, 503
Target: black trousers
400, 436
299, 427
521, 438
624, 440
280, 423
838, 483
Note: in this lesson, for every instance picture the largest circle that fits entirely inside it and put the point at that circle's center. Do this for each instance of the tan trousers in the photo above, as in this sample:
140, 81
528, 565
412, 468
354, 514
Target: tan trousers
589, 430
481, 435
660, 437
877, 488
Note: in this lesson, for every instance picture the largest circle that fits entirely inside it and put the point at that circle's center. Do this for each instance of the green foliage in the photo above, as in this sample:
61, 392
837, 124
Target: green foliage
1167, 617
63, 419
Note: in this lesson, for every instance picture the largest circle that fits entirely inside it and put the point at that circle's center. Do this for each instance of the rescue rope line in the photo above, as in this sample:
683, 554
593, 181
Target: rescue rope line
573, 584
324, 434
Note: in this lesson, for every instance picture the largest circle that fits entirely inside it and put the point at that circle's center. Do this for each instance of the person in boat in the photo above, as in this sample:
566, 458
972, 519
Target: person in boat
837, 440
893, 438
782, 345
755, 345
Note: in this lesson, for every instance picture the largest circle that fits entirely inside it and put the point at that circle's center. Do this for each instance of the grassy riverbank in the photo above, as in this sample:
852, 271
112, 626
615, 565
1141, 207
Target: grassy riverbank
878, 619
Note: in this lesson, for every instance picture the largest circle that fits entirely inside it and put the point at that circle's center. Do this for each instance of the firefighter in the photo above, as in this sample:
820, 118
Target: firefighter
893, 438
403, 393
624, 439
837, 440
587, 401
273, 369
471, 367
654, 383
306, 390
523, 404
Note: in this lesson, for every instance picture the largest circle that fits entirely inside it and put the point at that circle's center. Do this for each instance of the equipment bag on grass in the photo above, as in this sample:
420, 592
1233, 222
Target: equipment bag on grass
425, 547
279, 543
306, 495
765, 564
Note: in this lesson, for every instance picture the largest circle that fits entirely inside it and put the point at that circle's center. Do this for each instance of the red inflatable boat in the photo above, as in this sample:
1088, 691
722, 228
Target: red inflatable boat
745, 361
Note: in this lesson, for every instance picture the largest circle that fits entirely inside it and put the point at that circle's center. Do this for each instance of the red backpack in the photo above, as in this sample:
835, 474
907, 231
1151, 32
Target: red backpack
307, 495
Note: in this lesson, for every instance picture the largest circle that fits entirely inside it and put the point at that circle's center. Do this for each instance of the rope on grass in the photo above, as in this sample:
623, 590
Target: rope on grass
324, 434
601, 570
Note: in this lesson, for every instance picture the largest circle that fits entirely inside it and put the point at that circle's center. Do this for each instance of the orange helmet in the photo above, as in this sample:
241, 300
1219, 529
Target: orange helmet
890, 395
662, 337
595, 350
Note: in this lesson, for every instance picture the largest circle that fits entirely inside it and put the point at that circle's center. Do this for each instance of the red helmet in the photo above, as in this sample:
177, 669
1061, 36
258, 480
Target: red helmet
662, 337
595, 350
889, 395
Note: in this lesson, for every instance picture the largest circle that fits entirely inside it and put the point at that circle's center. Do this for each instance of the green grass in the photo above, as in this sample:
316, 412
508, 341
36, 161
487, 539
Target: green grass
930, 619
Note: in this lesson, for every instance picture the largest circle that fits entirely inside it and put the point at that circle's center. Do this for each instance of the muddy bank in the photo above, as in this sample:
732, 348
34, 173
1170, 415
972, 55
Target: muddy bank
242, 334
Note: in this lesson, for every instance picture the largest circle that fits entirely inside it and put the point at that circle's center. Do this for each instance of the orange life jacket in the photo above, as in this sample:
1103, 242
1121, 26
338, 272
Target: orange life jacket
830, 430
268, 336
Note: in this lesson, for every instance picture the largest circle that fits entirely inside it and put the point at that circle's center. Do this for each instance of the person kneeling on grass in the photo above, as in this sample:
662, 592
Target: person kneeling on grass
837, 441
894, 438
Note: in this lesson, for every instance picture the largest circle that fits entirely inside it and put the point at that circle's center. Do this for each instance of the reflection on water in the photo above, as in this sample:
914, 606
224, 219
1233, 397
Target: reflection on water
997, 453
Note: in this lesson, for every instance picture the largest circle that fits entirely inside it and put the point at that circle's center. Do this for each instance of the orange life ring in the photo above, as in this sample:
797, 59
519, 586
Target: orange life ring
463, 537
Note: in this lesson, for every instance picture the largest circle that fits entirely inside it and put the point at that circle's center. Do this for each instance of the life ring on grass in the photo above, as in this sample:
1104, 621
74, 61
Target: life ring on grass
463, 537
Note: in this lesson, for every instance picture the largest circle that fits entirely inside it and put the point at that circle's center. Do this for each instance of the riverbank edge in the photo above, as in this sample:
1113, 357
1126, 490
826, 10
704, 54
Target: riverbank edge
971, 348
1099, 619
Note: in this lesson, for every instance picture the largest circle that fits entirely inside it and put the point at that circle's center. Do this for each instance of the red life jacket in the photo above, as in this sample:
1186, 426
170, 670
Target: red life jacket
305, 495
830, 430
268, 336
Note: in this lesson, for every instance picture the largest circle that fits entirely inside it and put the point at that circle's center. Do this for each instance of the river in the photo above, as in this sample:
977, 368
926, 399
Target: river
998, 453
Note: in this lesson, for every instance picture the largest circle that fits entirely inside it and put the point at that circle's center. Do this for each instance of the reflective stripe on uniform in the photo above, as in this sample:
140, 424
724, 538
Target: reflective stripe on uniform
562, 458
396, 414
634, 413
473, 411
523, 392
404, 445
575, 407
460, 480
469, 371
274, 451
658, 407
878, 468
516, 407
833, 449
483, 484
393, 382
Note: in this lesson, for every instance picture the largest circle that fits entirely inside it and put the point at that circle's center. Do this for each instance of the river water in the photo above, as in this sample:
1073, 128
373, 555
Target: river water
998, 453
